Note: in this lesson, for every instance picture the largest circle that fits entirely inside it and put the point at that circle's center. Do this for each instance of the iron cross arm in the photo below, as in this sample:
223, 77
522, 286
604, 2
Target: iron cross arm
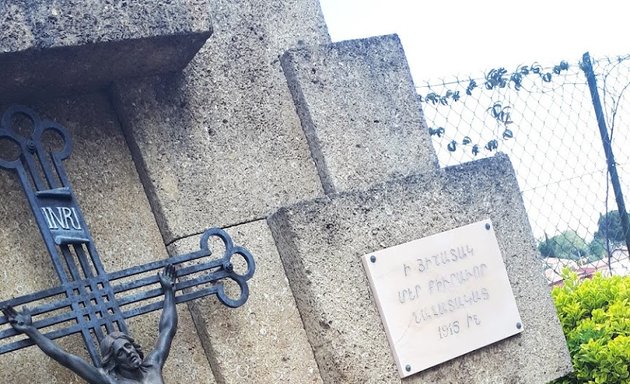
90, 300
199, 276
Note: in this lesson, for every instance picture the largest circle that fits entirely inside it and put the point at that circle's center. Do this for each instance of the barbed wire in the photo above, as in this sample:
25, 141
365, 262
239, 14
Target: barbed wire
544, 119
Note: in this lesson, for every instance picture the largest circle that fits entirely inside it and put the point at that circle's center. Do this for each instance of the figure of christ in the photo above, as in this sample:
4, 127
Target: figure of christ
123, 361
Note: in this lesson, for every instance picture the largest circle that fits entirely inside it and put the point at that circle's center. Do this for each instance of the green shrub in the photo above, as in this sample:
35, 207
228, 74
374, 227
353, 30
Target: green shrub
595, 317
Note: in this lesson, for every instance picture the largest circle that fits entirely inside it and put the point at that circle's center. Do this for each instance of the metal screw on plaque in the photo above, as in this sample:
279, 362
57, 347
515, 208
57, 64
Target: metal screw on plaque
488, 226
89, 299
373, 259
519, 325
408, 368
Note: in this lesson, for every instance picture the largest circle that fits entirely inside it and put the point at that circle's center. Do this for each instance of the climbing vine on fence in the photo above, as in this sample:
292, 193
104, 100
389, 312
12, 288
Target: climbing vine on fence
499, 111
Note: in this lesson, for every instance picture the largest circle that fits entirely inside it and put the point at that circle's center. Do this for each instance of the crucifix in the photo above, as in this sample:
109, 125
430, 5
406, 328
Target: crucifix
90, 300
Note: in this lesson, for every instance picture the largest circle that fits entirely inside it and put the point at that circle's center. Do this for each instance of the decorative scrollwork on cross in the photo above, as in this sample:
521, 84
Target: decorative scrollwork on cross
90, 300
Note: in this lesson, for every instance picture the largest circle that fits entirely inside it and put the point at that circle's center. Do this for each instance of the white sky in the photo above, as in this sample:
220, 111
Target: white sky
443, 38
447, 37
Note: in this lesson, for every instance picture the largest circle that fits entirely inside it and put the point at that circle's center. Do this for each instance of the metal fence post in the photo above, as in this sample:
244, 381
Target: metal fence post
587, 67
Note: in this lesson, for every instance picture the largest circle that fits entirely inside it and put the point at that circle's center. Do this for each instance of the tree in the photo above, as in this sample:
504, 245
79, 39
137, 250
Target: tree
596, 249
566, 245
609, 227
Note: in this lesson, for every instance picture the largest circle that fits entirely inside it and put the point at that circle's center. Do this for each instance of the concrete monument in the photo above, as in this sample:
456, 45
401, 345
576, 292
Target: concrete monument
244, 116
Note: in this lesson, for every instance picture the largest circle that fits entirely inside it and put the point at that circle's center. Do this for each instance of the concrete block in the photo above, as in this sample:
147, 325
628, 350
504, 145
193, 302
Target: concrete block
360, 112
52, 47
112, 199
264, 340
221, 143
321, 243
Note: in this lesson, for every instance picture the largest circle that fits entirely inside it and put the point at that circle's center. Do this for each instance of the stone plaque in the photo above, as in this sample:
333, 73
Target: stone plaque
443, 296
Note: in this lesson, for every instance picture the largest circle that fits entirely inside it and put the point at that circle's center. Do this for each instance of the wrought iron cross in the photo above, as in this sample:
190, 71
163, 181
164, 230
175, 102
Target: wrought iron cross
90, 300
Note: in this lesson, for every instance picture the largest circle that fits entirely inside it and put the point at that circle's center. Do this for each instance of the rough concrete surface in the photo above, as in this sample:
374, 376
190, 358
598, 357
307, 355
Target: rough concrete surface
360, 112
321, 243
116, 209
264, 340
221, 143
56, 46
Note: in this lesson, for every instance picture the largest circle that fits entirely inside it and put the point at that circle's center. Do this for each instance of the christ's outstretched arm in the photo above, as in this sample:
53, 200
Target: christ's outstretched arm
23, 322
168, 320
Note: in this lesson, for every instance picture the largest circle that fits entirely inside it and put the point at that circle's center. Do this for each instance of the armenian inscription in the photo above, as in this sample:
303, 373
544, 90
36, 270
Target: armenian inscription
443, 296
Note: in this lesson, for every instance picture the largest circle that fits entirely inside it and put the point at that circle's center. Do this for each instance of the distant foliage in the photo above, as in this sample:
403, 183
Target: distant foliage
569, 245
595, 317
609, 227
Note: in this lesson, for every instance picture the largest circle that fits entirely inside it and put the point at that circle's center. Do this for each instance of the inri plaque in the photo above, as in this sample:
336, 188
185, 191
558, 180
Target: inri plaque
443, 296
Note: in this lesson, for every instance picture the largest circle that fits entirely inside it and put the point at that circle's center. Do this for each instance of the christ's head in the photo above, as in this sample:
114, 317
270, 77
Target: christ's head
120, 351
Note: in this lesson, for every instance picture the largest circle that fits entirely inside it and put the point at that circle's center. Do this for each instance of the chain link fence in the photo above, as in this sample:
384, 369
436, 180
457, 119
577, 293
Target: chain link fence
544, 118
